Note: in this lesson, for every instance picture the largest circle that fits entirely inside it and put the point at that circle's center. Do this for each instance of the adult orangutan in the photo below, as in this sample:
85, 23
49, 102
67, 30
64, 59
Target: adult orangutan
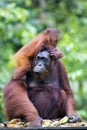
45, 94
23, 57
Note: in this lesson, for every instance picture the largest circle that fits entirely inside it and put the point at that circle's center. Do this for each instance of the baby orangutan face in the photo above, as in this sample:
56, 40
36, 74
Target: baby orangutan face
53, 36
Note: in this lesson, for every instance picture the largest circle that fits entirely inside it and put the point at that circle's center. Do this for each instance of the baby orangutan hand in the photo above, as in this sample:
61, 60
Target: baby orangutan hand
55, 54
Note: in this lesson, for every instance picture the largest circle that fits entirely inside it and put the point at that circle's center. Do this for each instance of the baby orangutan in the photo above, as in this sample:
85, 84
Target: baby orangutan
23, 57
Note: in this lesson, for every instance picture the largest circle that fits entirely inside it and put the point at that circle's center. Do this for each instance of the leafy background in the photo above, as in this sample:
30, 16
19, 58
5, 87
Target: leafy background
22, 20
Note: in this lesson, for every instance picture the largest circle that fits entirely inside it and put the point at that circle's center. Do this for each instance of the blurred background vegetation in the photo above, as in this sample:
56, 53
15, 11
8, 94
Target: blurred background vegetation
22, 20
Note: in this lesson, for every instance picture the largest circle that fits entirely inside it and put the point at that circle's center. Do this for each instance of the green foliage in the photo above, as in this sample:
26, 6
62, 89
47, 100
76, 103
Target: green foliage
21, 20
2, 116
81, 100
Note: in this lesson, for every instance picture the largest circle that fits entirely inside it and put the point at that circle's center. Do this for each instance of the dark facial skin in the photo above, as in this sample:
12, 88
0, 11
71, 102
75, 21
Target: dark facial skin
42, 63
